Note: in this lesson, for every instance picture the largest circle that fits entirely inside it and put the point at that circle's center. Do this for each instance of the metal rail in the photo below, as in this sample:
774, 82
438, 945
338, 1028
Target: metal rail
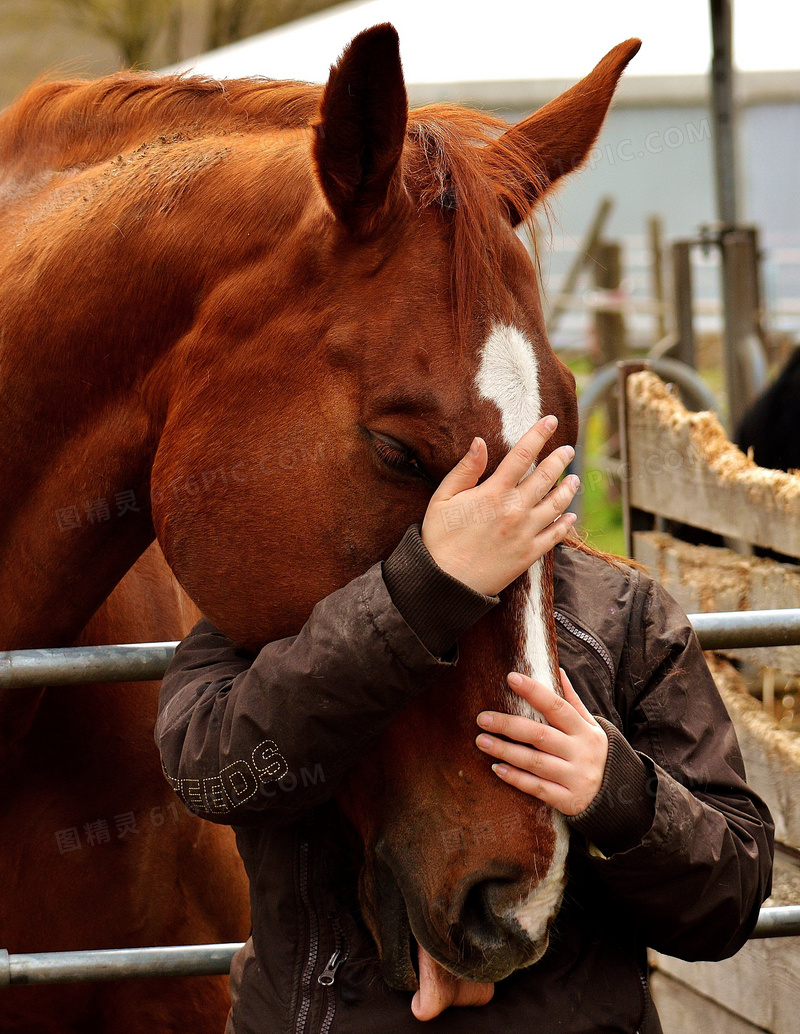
142, 662
69, 967
146, 661
732, 629
65, 666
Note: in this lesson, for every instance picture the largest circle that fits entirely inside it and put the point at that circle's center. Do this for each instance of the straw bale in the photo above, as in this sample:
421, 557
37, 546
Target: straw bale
652, 397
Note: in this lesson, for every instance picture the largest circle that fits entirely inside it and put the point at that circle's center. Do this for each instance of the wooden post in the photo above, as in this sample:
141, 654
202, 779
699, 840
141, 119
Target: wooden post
740, 306
586, 254
610, 336
655, 232
683, 299
632, 519
609, 326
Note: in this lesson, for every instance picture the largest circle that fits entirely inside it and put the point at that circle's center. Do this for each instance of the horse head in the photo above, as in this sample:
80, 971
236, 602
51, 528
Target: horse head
365, 308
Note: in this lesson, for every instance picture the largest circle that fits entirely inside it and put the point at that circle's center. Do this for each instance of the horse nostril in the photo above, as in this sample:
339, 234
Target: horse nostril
482, 914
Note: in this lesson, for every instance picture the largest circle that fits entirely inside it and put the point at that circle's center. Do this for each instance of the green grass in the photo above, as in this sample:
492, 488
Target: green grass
601, 521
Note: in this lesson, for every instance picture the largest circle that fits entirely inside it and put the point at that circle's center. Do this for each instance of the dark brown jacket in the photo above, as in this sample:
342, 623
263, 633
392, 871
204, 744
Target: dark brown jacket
675, 852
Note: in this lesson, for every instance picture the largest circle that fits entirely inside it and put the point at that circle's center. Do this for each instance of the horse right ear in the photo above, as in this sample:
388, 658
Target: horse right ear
361, 129
528, 158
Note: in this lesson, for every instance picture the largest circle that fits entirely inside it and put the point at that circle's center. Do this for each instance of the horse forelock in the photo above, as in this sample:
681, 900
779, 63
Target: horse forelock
448, 170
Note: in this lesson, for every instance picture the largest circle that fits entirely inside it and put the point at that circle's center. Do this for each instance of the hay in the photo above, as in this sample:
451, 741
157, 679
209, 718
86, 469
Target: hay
702, 438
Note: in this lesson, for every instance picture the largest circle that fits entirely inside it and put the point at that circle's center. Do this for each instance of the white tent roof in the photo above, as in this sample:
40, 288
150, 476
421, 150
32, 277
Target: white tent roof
445, 42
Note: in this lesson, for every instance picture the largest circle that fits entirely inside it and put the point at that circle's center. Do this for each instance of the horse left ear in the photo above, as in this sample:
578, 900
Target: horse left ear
527, 159
361, 129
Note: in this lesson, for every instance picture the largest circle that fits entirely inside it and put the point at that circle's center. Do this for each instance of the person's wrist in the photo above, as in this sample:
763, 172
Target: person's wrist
457, 568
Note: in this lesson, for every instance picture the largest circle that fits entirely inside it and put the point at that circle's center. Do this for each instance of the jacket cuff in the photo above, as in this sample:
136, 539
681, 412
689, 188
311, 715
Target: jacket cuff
437, 607
624, 809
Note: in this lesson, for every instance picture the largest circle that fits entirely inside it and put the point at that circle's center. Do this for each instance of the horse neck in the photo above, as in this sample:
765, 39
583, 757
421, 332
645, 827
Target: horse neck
74, 474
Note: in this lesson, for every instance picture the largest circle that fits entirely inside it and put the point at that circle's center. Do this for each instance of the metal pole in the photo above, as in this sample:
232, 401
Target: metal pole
64, 666
193, 960
724, 631
142, 662
722, 111
69, 967
781, 921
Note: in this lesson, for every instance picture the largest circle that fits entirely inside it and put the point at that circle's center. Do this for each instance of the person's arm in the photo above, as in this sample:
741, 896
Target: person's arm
231, 726
671, 827
246, 738
695, 877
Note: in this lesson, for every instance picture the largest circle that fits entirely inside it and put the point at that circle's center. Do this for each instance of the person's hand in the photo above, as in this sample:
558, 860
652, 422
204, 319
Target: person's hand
487, 535
561, 763
438, 989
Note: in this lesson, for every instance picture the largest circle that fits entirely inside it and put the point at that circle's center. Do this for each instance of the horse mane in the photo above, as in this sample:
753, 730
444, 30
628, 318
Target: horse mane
82, 122
71, 125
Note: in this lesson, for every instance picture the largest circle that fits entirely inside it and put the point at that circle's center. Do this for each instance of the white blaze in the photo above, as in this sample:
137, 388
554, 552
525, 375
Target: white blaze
508, 376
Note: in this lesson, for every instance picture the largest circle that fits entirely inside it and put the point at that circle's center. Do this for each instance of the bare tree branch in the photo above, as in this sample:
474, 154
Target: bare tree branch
149, 33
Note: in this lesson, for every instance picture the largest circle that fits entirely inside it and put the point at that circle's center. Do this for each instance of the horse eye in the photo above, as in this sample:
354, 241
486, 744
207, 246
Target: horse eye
397, 456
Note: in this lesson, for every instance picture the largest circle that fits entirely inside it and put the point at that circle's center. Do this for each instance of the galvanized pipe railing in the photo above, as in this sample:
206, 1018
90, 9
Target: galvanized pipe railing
732, 629
192, 960
142, 662
72, 967
74, 665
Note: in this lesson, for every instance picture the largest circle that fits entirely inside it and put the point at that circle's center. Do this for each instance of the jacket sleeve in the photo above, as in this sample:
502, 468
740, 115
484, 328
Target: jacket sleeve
676, 833
257, 739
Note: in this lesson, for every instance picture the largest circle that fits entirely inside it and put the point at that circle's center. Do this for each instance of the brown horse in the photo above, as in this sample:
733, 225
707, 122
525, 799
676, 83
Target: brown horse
258, 321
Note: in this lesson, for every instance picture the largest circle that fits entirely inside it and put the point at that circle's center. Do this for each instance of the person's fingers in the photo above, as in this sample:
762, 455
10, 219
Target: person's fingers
540, 763
545, 477
557, 796
523, 730
557, 711
516, 464
555, 533
466, 473
558, 499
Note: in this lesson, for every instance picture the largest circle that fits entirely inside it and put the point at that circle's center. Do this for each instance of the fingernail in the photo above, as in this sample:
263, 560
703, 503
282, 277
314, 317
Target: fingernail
514, 679
500, 770
484, 718
550, 423
570, 518
484, 742
475, 448
569, 451
573, 480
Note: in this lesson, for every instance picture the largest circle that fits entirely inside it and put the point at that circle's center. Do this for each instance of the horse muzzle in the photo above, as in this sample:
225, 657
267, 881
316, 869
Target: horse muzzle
491, 925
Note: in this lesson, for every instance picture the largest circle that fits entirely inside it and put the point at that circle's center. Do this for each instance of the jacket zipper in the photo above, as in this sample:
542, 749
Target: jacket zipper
590, 640
328, 976
313, 942
646, 993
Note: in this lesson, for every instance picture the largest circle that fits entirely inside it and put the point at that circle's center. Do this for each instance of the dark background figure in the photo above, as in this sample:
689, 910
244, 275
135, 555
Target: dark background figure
771, 427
